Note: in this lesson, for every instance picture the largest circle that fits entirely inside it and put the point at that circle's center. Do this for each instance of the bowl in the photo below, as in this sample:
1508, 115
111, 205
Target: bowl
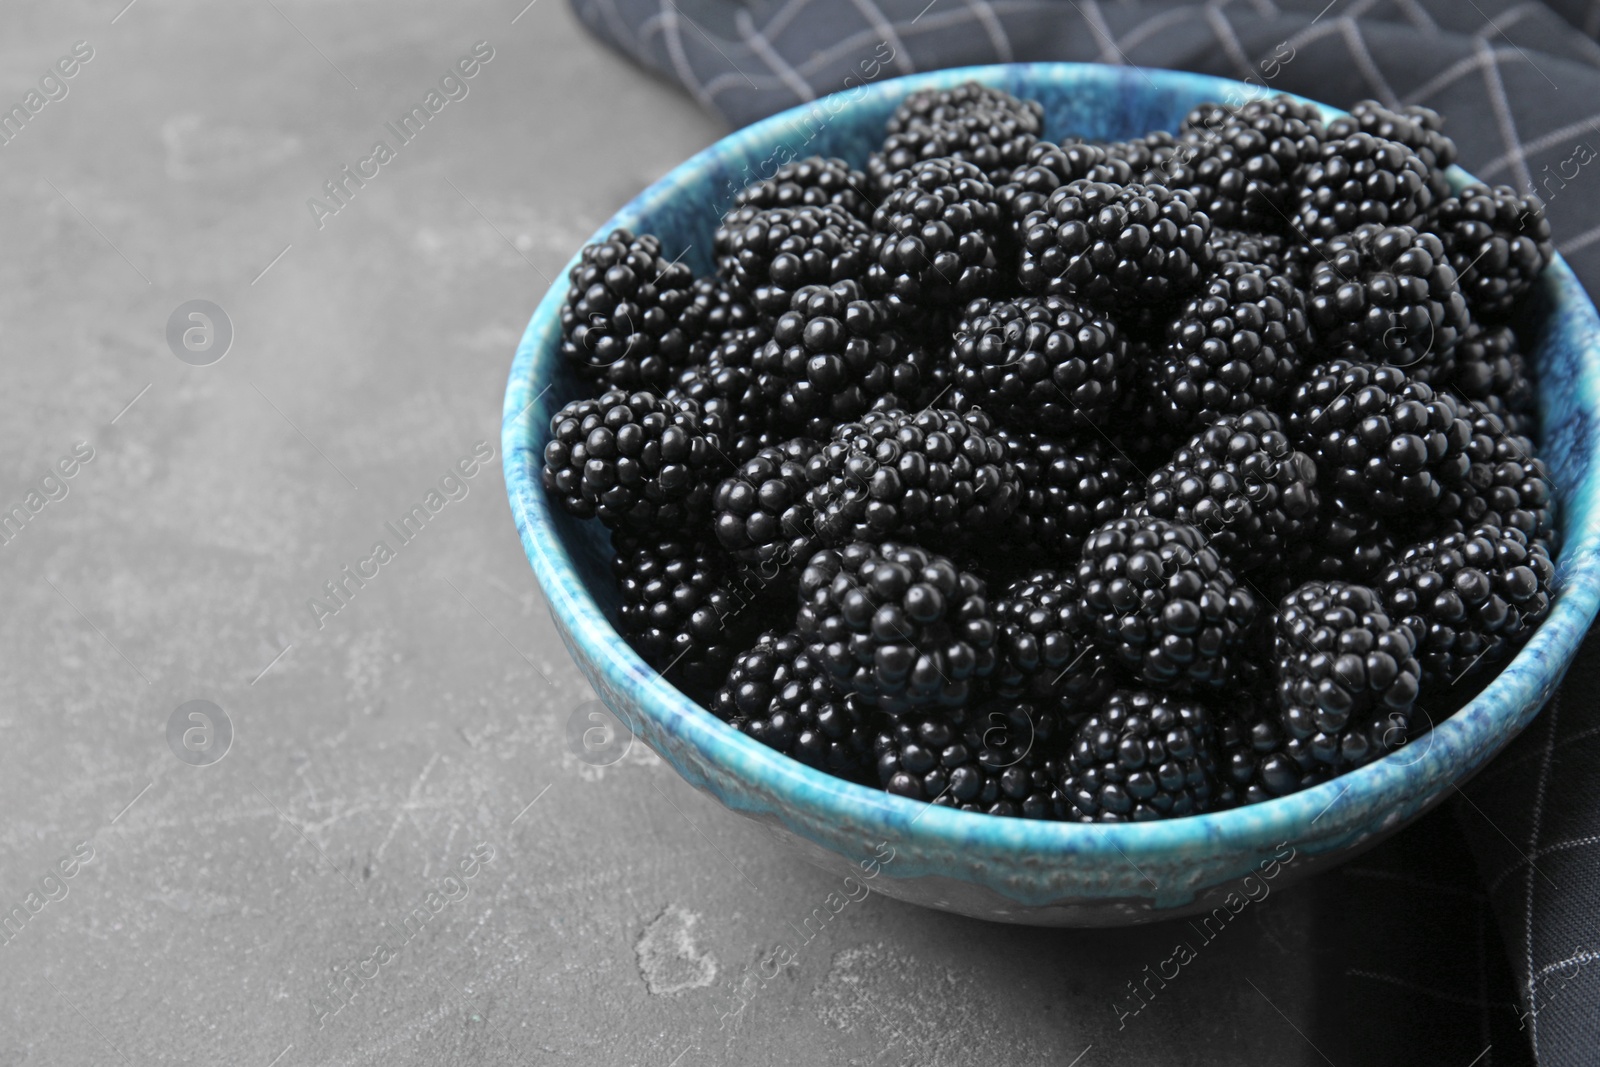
1041, 873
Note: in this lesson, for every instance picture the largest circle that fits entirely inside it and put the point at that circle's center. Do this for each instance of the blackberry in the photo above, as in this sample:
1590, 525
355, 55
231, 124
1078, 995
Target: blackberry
934, 477
1346, 673
1242, 482
935, 238
1121, 247
1162, 602
1358, 179
630, 315
1508, 485
932, 107
1142, 756
1266, 249
995, 140
832, 353
995, 760
1041, 363
1046, 651
1348, 543
1390, 443
731, 405
718, 313
814, 180
778, 694
760, 514
1386, 293
1257, 761
1069, 487
1238, 343
1498, 241
1421, 129
767, 255
898, 625
683, 606
1248, 157
1472, 599
1487, 365
1047, 168
632, 460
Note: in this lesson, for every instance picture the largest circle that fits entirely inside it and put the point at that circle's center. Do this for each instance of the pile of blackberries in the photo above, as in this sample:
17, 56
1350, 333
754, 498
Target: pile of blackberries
1076, 481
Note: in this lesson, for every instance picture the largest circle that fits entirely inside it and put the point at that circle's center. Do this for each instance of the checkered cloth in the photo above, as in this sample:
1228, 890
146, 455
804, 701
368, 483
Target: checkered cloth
1411, 949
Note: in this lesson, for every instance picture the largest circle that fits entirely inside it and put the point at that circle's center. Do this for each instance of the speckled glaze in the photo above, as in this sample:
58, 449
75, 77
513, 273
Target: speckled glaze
1013, 870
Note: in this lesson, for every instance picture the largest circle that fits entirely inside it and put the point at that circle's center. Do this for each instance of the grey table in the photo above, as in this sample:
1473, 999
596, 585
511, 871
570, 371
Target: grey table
306, 899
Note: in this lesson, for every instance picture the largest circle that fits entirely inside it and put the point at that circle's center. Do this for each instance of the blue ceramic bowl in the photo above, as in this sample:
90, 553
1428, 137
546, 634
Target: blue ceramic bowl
1000, 868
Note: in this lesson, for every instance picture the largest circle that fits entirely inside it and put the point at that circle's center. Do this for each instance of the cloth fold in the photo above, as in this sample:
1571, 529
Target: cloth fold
1519, 83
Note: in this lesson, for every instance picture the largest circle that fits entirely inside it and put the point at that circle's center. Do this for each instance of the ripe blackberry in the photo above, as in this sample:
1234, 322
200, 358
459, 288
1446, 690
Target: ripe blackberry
630, 315
1121, 247
1421, 129
1348, 543
1069, 487
1472, 599
760, 514
1487, 365
778, 694
931, 107
632, 460
1162, 602
1047, 168
996, 760
814, 180
769, 254
1045, 645
1042, 363
1390, 444
1508, 485
1237, 344
1243, 484
1358, 179
1266, 249
1249, 155
683, 608
898, 625
1257, 760
719, 313
1386, 293
934, 477
936, 238
1498, 241
1346, 672
832, 353
995, 139
1142, 756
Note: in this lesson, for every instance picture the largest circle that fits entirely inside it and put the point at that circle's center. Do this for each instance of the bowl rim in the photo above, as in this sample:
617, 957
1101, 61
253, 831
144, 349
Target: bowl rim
1472, 734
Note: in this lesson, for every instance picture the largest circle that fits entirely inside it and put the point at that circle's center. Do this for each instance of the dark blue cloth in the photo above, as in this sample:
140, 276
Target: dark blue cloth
1413, 970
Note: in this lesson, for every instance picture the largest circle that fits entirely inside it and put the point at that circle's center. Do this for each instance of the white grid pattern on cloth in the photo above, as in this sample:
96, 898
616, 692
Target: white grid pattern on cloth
776, 63
1229, 40
994, 28
1501, 106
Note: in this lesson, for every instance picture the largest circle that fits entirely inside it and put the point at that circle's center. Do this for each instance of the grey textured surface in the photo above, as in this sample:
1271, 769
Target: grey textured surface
622, 917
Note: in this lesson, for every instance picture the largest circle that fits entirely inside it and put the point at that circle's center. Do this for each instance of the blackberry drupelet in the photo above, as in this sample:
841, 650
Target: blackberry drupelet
1069, 487
1421, 129
1162, 602
683, 608
1046, 650
778, 694
1244, 485
832, 353
1142, 756
769, 254
1359, 179
1498, 241
1041, 363
630, 316
760, 514
898, 625
814, 180
997, 760
1389, 444
1386, 293
1472, 599
935, 477
1248, 157
1120, 247
931, 107
1238, 343
936, 238
632, 460
1347, 674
